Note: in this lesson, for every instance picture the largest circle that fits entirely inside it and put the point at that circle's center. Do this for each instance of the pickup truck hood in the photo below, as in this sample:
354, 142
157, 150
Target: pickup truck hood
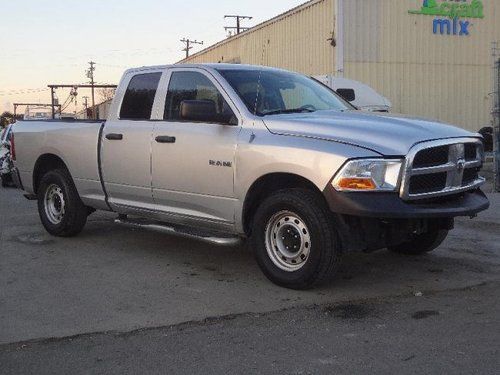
387, 134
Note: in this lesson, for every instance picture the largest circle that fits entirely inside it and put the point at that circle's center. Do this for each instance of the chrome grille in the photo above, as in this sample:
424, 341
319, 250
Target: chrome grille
431, 157
428, 183
441, 168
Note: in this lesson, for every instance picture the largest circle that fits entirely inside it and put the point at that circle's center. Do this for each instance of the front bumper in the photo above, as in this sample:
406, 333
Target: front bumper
390, 205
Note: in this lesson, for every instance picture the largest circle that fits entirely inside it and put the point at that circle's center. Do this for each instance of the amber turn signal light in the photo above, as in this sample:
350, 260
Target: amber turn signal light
357, 184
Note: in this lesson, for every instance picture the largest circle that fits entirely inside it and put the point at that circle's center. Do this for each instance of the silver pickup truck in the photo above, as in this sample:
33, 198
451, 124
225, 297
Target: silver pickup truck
228, 152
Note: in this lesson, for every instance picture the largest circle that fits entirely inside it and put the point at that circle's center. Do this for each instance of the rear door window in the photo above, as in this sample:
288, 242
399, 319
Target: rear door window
139, 98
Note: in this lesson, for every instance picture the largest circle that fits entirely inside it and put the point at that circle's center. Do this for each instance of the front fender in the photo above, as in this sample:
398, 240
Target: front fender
260, 153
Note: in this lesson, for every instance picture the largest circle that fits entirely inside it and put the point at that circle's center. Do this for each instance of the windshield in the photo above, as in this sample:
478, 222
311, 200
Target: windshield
267, 92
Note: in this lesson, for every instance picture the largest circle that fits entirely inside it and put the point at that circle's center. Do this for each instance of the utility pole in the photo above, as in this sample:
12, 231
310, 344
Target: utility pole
85, 101
90, 75
496, 116
238, 26
85, 104
188, 43
53, 103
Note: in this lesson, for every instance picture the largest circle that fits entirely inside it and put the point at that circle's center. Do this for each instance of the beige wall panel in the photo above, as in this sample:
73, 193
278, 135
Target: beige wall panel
431, 93
296, 41
444, 77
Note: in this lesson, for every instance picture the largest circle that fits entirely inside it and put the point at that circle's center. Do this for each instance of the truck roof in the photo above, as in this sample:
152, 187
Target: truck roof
214, 66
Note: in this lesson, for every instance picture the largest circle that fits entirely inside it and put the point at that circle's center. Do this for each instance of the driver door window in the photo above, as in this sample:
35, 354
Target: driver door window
195, 86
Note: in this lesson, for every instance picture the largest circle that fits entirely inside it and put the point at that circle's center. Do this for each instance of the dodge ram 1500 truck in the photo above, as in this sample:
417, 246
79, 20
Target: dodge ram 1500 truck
227, 152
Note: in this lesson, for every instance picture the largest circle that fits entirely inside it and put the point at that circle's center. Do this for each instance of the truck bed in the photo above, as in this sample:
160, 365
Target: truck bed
76, 144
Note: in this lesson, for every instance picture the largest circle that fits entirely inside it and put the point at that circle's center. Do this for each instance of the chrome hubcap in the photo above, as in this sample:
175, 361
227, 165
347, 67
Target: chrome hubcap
54, 204
288, 241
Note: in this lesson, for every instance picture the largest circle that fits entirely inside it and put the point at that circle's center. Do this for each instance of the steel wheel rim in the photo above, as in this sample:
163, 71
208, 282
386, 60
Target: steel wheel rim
54, 204
288, 241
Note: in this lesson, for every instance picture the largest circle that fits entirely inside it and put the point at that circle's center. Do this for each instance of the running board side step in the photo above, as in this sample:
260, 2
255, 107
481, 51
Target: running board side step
213, 238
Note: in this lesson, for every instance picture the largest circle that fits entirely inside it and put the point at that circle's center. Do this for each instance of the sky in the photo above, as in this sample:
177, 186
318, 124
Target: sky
52, 41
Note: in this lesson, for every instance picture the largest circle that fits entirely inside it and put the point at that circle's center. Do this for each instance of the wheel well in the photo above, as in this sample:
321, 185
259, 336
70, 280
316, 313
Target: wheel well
44, 164
265, 186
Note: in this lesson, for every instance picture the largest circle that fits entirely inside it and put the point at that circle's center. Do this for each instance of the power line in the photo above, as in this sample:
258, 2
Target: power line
21, 91
238, 26
114, 66
66, 103
188, 43
66, 106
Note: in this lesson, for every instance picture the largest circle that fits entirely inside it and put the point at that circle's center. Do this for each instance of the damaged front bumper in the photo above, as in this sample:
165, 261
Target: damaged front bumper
391, 206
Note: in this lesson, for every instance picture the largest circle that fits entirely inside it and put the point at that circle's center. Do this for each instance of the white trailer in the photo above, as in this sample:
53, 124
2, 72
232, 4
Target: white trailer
360, 95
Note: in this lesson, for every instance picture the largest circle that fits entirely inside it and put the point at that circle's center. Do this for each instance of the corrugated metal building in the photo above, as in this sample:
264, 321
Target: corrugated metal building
102, 111
431, 58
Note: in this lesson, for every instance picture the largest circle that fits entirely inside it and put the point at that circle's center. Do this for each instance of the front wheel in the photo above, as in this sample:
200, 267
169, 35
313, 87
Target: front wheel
60, 208
294, 239
422, 243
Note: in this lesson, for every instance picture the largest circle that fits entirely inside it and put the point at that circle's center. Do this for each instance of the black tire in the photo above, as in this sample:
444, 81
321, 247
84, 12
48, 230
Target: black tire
324, 250
422, 243
74, 218
5, 182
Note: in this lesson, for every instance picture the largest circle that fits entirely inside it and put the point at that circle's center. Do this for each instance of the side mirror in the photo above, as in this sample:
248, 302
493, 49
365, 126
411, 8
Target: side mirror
198, 111
347, 94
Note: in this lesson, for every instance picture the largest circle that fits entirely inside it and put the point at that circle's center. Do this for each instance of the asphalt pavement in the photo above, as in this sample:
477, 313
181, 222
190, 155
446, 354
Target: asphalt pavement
116, 300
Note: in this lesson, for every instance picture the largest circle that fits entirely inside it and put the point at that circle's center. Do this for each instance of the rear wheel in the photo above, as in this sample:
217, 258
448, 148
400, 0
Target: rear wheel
422, 243
294, 239
60, 208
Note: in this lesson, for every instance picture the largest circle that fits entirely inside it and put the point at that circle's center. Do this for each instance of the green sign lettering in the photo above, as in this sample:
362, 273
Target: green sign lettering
450, 9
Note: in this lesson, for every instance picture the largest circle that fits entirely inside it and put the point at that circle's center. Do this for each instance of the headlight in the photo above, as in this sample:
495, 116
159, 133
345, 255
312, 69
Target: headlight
369, 174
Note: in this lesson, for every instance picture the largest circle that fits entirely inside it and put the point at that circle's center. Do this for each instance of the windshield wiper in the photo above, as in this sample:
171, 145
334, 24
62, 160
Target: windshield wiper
292, 110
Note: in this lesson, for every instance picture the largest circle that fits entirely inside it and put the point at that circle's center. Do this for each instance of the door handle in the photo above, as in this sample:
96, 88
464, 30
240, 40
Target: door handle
165, 139
114, 137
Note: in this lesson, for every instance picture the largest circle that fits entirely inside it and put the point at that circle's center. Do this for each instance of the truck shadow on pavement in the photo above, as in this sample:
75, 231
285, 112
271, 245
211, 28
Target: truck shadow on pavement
460, 259
440, 269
